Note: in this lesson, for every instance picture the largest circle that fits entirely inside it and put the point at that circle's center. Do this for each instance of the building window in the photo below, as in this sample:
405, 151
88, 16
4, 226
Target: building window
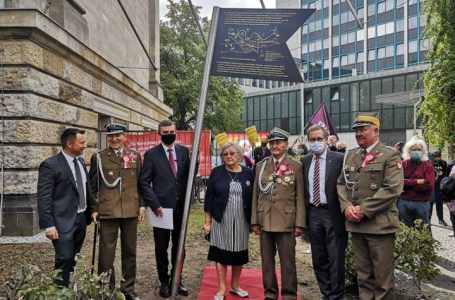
309, 97
412, 46
412, 22
335, 94
371, 55
381, 7
400, 25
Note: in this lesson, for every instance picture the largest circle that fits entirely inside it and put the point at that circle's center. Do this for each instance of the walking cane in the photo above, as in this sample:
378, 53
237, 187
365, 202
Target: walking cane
95, 235
96, 230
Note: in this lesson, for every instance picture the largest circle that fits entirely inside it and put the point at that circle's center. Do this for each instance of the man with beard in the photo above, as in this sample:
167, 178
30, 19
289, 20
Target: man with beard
62, 194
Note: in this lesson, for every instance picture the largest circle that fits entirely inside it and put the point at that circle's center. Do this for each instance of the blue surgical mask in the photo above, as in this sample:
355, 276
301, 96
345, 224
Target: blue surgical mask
317, 147
416, 155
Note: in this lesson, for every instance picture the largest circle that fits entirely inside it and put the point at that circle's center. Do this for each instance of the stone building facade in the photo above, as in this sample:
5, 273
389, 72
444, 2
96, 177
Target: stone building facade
69, 63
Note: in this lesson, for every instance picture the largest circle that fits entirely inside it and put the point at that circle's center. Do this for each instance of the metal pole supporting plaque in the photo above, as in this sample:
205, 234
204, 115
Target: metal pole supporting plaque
197, 136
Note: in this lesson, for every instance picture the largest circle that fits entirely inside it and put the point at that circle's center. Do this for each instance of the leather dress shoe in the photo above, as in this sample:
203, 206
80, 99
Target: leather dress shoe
269, 298
443, 223
131, 296
183, 291
165, 290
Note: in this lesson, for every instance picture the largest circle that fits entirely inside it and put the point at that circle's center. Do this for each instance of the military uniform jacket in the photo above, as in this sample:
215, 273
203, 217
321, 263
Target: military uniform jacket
283, 208
375, 188
112, 203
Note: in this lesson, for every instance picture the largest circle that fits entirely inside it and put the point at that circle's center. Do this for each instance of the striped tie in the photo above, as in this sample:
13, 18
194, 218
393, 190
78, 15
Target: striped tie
316, 189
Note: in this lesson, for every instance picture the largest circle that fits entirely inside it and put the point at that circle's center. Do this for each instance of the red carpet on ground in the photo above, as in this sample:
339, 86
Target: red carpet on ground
251, 281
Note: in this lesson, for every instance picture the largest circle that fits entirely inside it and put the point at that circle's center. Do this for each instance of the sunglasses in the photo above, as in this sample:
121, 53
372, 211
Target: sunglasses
226, 154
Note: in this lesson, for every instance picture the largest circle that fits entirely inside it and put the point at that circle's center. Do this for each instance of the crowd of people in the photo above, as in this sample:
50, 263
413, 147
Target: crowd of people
332, 191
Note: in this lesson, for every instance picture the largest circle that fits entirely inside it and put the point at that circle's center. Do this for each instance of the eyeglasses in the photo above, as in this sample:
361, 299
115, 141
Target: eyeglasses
226, 154
316, 140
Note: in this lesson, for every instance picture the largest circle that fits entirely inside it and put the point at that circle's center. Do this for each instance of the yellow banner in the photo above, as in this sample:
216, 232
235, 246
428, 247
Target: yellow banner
221, 139
252, 135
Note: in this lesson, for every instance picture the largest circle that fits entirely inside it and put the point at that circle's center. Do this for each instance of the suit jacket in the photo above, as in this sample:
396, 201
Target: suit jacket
333, 168
283, 208
218, 188
376, 189
159, 186
260, 153
111, 202
57, 195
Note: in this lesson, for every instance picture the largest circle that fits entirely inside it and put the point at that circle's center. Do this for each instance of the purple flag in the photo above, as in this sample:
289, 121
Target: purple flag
322, 117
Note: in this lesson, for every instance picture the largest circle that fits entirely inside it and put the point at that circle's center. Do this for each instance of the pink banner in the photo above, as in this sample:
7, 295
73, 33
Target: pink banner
141, 142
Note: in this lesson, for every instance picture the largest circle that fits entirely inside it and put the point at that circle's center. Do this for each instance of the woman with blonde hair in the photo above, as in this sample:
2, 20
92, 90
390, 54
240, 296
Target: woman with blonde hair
414, 201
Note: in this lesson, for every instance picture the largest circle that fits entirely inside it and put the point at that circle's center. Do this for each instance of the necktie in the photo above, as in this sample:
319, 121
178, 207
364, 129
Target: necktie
316, 188
276, 163
364, 153
80, 185
172, 162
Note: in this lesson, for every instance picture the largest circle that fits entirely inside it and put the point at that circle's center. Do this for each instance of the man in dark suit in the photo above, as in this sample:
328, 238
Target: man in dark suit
261, 152
63, 192
328, 235
163, 182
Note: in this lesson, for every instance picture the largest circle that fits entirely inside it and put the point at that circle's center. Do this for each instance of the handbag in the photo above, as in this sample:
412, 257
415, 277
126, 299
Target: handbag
448, 187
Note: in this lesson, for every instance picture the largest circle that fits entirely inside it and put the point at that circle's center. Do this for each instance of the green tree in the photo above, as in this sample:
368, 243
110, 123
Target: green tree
439, 105
182, 65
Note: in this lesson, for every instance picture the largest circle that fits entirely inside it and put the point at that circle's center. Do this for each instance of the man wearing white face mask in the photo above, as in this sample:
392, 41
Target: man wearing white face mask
326, 223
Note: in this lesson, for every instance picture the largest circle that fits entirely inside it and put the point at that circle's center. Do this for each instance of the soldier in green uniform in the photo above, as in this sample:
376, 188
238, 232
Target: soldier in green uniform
278, 215
116, 204
368, 189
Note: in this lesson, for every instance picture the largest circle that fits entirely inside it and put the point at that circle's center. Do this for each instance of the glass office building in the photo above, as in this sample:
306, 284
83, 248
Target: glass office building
347, 65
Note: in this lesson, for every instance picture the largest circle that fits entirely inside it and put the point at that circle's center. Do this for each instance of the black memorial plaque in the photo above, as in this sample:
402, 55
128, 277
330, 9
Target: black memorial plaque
251, 43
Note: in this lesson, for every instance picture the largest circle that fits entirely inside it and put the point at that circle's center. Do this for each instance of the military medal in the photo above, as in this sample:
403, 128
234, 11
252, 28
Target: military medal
368, 159
126, 161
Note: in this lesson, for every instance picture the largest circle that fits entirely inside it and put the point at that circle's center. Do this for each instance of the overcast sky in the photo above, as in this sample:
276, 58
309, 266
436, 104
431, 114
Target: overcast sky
207, 5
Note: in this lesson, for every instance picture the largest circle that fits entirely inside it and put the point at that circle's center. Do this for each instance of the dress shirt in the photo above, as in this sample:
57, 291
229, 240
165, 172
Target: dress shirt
70, 160
173, 152
279, 160
371, 147
322, 167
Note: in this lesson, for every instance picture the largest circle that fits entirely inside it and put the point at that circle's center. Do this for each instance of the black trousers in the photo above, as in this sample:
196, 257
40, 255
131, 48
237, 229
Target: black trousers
67, 246
162, 238
328, 253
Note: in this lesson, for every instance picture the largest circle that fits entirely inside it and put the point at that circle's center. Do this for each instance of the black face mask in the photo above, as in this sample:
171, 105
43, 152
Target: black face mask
264, 144
168, 139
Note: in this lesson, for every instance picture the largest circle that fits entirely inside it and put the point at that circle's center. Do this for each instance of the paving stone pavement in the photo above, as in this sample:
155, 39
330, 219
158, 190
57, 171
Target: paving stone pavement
446, 262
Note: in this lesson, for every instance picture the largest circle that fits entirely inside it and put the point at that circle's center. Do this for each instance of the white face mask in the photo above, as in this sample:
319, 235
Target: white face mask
317, 147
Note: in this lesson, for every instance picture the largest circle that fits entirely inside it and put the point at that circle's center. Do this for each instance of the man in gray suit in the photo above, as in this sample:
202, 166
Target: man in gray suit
328, 235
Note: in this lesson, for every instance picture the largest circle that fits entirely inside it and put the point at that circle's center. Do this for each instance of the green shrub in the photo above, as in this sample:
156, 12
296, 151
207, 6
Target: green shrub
33, 284
415, 252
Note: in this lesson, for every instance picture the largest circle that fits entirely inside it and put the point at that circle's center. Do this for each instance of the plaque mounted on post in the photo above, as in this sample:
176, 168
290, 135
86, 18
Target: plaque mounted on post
251, 43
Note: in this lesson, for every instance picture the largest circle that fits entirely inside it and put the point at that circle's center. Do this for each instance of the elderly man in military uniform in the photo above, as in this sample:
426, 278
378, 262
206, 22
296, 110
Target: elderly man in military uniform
368, 189
116, 204
278, 215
